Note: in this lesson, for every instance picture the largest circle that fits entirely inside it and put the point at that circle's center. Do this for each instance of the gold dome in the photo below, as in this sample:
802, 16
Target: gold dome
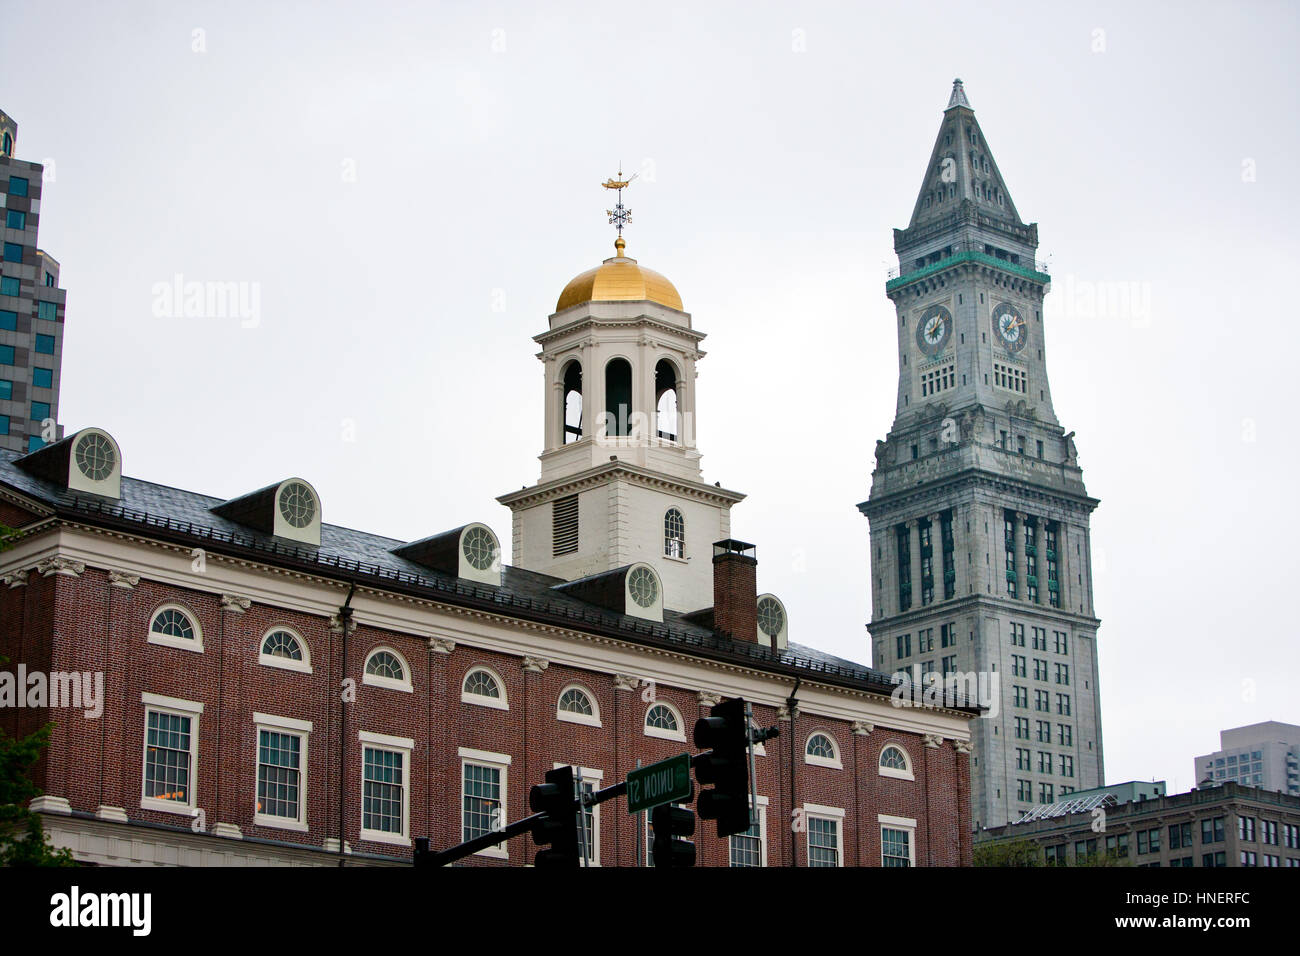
619, 280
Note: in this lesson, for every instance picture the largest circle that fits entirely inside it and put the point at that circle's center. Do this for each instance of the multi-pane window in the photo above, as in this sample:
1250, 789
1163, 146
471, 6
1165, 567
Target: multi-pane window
925, 640
1246, 828
47, 310
1031, 561
1249, 858
746, 849
1044, 762
1066, 735
938, 380
9, 285
1067, 766
950, 665
1180, 836
1212, 830
1045, 793
927, 562
1010, 378
1024, 759
383, 798
1117, 845
674, 534
1042, 701
1044, 730
904, 568
1053, 565
1018, 635
1268, 832
895, 847
1063, 674
1025, 789
1040, 666
168, 757
482, 800
1062, 642
1214, 859
903, 644
947, 635
1040, 638
1009, 543
1022, 728
279, 774
823, 841
1291, 836
1063, 704
949, 558
1019, 666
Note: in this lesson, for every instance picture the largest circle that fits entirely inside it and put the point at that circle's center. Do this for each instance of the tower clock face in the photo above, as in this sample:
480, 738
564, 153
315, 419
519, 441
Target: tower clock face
1010, 327
934, 330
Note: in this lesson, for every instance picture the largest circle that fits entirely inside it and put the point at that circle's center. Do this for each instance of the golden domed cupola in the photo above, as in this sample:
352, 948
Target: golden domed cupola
619, 279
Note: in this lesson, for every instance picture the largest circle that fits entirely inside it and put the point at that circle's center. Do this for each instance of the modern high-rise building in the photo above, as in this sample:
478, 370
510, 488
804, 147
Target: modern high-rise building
31, 308
1263, 755
980, 551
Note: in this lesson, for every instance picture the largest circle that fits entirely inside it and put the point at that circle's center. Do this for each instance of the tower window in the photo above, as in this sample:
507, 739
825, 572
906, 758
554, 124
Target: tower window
938, 380
618, 398
674, 534
904, 573
1011, 378
666, 400
572, 412
564, 526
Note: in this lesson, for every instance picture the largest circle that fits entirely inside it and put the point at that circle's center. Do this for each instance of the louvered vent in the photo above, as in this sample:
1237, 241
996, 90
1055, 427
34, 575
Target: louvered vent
564, 526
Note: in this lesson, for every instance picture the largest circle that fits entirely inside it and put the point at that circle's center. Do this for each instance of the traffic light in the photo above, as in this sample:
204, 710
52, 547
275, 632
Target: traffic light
558, 832
671, 822
726, 766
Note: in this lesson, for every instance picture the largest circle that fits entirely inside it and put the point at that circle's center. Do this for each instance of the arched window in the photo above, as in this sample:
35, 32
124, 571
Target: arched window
618, 398
663, 720
666, 401
821, 751
386, 668
484, 688
572, 406
674, 534
577, 706
283, 648
174, 626
894, 762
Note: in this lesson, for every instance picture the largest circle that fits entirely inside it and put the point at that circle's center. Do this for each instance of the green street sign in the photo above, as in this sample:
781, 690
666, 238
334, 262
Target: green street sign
667, 781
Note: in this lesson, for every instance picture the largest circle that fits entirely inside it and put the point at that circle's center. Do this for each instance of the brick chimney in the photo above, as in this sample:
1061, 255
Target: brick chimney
735, 589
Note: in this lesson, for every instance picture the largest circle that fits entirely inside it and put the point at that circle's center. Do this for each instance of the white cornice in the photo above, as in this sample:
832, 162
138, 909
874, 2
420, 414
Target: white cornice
602, 474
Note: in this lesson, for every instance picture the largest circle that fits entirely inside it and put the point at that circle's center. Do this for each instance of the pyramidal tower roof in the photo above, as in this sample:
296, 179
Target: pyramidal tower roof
962, 169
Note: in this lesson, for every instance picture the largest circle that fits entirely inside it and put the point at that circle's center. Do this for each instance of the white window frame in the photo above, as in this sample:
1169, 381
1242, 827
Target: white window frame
817, 761
496, 703
679, 734
303, 666
496, 761
760, 803
835, 815
183, 708
904, 774
282, 725
194, 645
594, 777
884, 820
568, 716
378, 680
403, 745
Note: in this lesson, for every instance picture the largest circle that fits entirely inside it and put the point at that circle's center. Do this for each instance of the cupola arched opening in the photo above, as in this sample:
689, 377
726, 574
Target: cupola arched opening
572, 407
618, 398
666, 400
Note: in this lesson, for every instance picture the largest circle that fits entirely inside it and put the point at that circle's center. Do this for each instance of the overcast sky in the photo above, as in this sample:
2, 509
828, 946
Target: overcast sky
408, 187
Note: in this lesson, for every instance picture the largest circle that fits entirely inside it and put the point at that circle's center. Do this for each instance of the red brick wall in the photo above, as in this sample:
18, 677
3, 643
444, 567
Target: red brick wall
84, 623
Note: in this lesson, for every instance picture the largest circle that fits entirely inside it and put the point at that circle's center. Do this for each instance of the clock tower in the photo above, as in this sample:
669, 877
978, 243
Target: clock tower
980, 549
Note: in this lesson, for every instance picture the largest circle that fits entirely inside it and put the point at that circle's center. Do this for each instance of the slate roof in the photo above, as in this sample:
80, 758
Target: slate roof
185, 517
